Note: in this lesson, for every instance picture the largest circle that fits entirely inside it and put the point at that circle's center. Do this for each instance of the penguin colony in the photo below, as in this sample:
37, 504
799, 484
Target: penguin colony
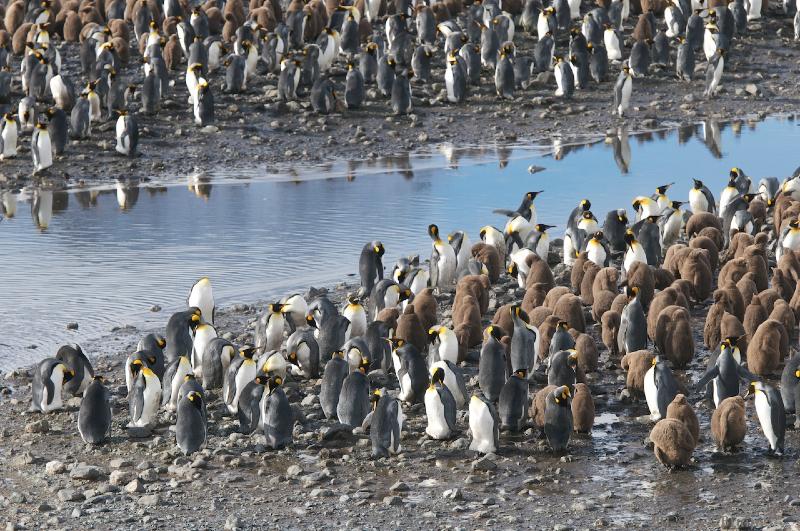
633, 281
311, 45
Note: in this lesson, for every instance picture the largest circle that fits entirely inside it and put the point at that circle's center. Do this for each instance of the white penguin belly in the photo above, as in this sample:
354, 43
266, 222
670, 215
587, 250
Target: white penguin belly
596, 253
765, 418
698, 201
651, 393
481, 426
247, 373
274, 331
405, 387
9, 140
791, 240
175, 385
358, 321
152, 400
434, 410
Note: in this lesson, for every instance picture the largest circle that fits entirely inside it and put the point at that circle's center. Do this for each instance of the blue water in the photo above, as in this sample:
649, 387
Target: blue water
102, 266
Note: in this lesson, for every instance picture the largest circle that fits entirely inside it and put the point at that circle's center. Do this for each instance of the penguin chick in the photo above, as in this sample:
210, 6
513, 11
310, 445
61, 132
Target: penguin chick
558, 418
673, 443
728, 424
94, 416
582, 409
680, 409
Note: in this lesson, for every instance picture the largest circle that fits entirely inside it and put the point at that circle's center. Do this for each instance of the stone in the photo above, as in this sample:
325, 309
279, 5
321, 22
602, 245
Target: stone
294, 471
484, 463
392, 501
86, 472
134, 486
55, 467
399, 487
452, 494
752, 89
151, 500
39, 426
70, 495
232, 523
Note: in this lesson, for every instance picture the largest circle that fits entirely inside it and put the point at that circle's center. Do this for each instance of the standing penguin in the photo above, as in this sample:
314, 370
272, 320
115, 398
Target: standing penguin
127, 134
598, 62
725, 372
455, 80
790, 387
632, 335
614, 228
492, 364
202, 296
622, 91
41, 148
58, 127
180, 327
249, 407
684, 63
565, 80
270, 328
144, 399
443, 345
9, 135
597, 249
190, 428
242, 370
524, 352
660, 388
277, 419
634, 253
513, 402
504, 75
771, 414
49, 378
78, 363
443, 261
701, 199
370, 265
558, 421
484, 425
336, 370
204, 104
355, 312
440, 408
401, 93
716, 65
386, 425
323, 96
563, 368
411, 371
354, 92
94, 416
302, 348
353, 404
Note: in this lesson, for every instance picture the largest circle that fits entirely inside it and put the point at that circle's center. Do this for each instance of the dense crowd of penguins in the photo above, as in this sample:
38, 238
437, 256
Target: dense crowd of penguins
310, 45
637, 281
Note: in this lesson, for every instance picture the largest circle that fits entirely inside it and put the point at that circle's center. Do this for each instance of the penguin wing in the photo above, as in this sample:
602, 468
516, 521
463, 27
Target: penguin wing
449, 405
623, 331
777, 415
710, 374
462, 386
48, 383
136, 398
434, 267
710, 198
505, 212
744, 374
667, 389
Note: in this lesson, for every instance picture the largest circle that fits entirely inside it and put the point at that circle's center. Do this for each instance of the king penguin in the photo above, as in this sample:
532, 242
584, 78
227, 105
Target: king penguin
632, 334
303, 348
242, 370
443, 261
558, 421
701, 199
454, 380
512, 406
180, 327
78, 363
484, 425
191, 429
336, 370
443, 345
771, 414
411, 371
41, 148
622, 91
174, 377
47, 385
144, 399
370, 265
725, 372
249, 407
493, 363
94, 416
660, 388
386, 425
524, 343
270, 328
202, 296
277, 419
440, 408
353, 404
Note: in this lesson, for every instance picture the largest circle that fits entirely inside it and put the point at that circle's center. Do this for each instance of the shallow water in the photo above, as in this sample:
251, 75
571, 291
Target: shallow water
103, 265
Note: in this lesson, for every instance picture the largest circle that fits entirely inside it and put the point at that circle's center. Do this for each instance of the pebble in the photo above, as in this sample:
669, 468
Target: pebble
151, 500
484, 463
232, 523
55, 467
392, 501
399, 487
294, 471
134, 486
72, 326
86, 472
38, 426
70, 495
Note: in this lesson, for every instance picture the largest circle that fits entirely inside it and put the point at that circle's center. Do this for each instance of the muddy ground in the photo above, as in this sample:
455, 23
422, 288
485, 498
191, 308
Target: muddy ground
255, 133
48, 476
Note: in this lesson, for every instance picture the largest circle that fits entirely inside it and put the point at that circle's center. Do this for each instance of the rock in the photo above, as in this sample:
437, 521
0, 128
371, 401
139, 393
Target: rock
151, 500
120, 477
337, 432
134, 486
484, 463
139, 432
399, 487
392, 501
232, 523
86, 473
453, 494
70, 495
150, 475
72, 326
55, 467
752, 89
294, 471
38, 426
321, 493
729, 522
535, 169
155, 308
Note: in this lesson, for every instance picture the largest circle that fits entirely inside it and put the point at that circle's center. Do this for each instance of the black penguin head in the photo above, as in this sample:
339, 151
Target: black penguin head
562, 325
629, 237
541, 227
572, 359
136, 366
437, 376
378, 249
749, 197
41, 126
661, 190
795, 223
69, 374
698, 184
433, 334
631, 292
561, 395
433, 232
677, 204
261, 380
513, 269
310, 321
405, 294
753, 388
247, 352
598, 236
276, 307
396, 342
188, 377
521, 373
495, 332
338, 354
587, 214
653, 219
292, 357
585, 204
374, 398
363, 365
196, 399
274, 382
734, 173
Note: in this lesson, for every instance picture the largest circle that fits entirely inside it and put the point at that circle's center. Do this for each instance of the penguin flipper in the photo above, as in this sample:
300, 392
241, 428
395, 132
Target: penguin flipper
744, 374
434, 268
505, 212
710, 374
